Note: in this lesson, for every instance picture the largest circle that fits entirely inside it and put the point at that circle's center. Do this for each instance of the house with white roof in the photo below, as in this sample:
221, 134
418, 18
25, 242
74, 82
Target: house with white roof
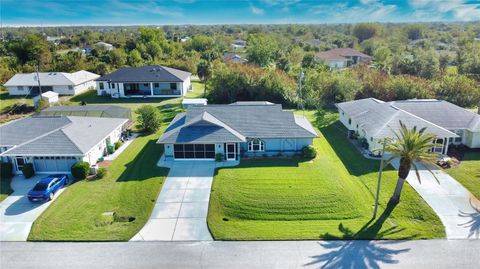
375, 120
54, 143
59, 82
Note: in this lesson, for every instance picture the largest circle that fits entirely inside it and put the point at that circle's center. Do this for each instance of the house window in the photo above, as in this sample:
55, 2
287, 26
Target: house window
20, 88
101, 85
173, 86
145, 84
156, 85
70, 87
349, 121
256, 145
113, 85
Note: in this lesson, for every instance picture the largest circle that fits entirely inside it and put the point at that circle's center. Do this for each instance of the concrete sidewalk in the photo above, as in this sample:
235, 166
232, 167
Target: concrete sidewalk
457, 208
17, 214
180, 212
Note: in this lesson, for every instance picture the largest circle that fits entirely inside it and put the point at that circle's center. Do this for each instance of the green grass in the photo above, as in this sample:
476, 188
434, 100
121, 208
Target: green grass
197, 89
130, 188
468, 172
5, 189
330, 197
7, 101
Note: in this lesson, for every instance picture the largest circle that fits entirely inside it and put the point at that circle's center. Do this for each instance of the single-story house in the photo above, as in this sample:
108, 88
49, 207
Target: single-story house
145, 81
51, 97
102, 111
188, 102
59, 82
342, 58
104, 45
238, 44
375, 120
53, 144
234, 130
232, 57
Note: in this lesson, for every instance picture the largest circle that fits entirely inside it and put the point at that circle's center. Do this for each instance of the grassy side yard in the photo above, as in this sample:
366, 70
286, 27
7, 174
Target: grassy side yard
330, 197
5, 189
468, 172
197, 89
129, 189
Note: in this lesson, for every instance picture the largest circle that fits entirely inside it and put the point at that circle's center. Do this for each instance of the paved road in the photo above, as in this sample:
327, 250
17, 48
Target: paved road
284, 254
457, 208
17, 214
180, 212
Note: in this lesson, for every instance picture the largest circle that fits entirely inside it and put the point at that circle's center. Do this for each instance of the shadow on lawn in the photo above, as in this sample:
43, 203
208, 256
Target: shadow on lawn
355, 162
144, 165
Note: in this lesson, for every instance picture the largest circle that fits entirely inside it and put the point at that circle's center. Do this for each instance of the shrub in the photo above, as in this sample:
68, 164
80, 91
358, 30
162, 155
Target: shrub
118, 144
219, 157
6, 170
101, 172
309, 152
149, 118
42, 104
28, 170
80, 170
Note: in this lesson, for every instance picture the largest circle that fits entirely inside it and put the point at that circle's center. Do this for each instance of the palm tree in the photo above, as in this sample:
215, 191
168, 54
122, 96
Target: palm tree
204, 70
410, 146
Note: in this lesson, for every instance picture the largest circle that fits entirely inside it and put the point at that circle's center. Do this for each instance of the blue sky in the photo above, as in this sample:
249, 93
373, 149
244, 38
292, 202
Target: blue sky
128, 12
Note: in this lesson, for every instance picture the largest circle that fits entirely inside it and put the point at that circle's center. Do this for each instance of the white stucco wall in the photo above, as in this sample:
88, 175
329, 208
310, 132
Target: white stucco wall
60, 89
186, 86
472, 139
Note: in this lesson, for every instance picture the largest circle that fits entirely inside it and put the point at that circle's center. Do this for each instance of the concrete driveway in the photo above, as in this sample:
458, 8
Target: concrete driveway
180, 212
457, 208
17, 214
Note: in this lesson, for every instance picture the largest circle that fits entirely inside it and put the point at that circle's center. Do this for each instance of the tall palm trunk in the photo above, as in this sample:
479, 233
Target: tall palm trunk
204, 87
403, 172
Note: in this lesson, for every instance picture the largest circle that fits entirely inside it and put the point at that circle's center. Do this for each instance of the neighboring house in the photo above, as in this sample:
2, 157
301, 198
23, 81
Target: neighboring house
375, 120
55, 39
145, 81
53, 144
188, 102
343, 58
236, 130
59, 82
102, 111
232, 57
238, 44
105, 45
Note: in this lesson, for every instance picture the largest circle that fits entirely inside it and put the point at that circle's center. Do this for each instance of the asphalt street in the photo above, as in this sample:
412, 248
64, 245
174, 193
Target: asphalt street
261, 254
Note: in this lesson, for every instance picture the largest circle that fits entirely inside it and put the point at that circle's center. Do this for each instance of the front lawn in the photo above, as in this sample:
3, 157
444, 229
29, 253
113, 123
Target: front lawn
5, 189
129, 189
331, 197
468, 172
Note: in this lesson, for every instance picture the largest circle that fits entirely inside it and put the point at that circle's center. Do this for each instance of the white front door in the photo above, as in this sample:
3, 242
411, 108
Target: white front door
231, 151
19, 162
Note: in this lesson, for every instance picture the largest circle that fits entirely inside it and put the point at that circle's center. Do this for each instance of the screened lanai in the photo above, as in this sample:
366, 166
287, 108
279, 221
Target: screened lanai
103, 111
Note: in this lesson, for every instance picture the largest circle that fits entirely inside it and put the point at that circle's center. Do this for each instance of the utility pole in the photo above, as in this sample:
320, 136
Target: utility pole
38, 80
300, 77
379, 179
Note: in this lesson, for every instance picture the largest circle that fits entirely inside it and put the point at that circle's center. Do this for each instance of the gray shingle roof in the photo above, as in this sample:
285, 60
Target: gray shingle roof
380, 119
64, 135
51, 78
441, 113
235, 123
152, 73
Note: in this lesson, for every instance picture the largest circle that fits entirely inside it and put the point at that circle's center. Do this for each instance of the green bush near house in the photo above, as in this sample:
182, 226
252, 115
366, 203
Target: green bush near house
118, 144
309, 152
219, 157
28, 170
6, 170
80, 170
101, 172
149, 118
110, 148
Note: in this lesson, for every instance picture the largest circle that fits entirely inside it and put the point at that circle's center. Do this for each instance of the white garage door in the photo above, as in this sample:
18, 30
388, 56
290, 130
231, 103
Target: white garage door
53, 164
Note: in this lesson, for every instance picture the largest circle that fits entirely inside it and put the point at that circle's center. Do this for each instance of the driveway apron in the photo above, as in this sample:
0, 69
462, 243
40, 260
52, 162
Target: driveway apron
180, 212
17, 214
457, 208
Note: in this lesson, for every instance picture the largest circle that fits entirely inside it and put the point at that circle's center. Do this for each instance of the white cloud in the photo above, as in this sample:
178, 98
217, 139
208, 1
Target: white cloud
256, 10
463, 10
367, 10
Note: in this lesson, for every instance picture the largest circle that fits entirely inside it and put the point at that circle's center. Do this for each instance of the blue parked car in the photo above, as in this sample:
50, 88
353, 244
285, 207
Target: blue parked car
46, 188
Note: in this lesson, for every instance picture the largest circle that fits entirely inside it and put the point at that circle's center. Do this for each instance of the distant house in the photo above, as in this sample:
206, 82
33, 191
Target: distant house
375, 120
54, 144
236, 130
145, 81
104, 45
55, 39
343, 57
238, 44
232, 57
59, 82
